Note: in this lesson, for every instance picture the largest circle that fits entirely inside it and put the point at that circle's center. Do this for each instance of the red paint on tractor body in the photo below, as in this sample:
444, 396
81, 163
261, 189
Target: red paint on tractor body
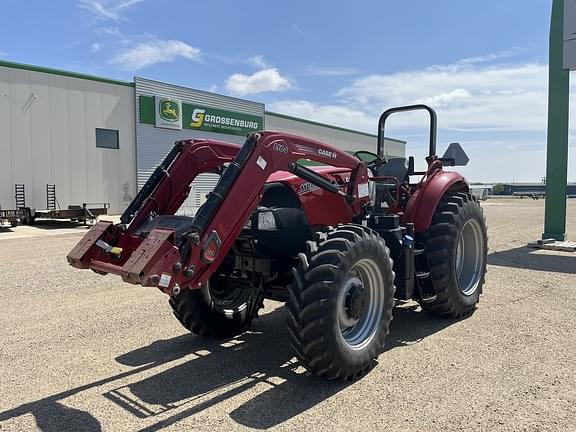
427, 195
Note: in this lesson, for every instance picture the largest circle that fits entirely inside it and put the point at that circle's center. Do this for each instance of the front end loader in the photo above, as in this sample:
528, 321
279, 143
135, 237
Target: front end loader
338, 242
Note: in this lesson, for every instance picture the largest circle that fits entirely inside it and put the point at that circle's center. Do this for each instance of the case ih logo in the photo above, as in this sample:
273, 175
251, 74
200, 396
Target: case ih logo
211, 248
327, 153
279, 147
169, 110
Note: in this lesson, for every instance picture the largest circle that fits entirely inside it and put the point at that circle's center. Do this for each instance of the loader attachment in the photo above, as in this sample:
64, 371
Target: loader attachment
152, 247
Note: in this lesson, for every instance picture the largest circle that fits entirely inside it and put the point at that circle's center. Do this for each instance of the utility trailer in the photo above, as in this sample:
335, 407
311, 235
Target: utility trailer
76, 213
11, 217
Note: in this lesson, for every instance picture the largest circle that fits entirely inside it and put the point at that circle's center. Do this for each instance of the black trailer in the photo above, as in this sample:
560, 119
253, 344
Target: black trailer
11, 217
76, 213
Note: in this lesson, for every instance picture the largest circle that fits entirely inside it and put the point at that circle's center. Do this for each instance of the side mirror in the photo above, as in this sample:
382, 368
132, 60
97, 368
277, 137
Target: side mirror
455, 155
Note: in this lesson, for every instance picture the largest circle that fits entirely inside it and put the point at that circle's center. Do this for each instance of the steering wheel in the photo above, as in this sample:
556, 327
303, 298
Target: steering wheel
374, 161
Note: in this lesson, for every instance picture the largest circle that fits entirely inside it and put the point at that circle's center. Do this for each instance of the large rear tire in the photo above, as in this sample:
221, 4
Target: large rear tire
341, 302
219, 312
456, 246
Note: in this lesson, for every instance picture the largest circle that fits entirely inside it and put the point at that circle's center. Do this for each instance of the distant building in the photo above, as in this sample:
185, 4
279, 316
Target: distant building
532, 188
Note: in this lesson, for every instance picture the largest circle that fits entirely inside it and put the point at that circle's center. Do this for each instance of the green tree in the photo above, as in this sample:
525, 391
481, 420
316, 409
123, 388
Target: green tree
498, 189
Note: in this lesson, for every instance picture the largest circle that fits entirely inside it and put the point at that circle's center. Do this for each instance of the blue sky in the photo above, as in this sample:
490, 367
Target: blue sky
482, 65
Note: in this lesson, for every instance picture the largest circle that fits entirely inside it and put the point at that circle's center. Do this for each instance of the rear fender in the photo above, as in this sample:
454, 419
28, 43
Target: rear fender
425, 200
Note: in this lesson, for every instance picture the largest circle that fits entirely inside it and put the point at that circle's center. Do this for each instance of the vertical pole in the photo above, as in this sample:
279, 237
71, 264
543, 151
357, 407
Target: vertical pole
557, 148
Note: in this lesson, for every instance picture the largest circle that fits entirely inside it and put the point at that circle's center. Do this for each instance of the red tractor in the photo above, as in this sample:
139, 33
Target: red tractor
338, 243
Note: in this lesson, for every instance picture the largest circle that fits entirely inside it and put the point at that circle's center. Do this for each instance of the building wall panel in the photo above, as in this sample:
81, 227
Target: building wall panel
48, 136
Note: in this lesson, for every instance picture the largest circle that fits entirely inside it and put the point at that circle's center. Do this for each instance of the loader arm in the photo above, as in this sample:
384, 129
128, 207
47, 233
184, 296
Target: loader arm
239, 192
157, 260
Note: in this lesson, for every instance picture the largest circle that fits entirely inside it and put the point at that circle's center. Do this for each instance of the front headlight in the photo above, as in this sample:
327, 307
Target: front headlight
266, 221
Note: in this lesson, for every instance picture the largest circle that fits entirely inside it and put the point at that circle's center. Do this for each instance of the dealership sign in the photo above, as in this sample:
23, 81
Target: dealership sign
219, 121
168, 112
172, 113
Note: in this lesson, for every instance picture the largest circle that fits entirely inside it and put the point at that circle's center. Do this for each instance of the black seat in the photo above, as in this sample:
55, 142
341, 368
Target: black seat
395, 167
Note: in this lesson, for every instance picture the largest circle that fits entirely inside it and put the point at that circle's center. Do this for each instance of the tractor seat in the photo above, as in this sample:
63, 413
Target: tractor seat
396, 167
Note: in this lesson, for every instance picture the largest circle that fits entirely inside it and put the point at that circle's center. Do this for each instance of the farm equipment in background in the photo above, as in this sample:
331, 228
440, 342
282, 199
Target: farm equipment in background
76, 213
12, 217
338, 243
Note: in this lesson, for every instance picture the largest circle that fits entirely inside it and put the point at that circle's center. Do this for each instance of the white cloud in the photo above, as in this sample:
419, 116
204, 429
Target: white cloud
298, 30
266, 80
498, 97
486, 58
329, 71
148, 53
330, 114
3, 53
96, 47
107, 9
258, 61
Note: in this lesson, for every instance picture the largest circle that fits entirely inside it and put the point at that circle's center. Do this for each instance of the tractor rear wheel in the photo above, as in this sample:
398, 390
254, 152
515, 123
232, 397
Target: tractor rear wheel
223, 308
456, 246
341, 302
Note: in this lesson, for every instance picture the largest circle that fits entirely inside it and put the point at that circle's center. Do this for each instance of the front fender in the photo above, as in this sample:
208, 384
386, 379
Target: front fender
425, 200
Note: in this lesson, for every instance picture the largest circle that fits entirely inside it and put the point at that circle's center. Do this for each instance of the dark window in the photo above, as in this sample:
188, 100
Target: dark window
107, 138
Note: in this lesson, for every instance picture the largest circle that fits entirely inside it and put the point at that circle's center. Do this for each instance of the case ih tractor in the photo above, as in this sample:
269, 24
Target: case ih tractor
338, 243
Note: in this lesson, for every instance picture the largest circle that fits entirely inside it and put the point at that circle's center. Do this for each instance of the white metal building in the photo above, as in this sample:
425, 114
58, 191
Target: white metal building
97, 139
48, 122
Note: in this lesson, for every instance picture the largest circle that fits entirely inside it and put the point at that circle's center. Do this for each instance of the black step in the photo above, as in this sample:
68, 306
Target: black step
422, 275
429, 299
418, 252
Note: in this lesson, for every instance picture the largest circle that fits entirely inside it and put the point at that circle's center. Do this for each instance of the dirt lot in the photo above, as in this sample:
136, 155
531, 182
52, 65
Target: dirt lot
83, 352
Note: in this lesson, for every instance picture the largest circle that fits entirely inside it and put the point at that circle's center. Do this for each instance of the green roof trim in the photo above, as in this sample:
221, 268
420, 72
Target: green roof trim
284, 116
64, 73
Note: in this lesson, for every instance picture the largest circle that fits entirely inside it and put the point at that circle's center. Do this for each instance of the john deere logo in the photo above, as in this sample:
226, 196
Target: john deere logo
169, 110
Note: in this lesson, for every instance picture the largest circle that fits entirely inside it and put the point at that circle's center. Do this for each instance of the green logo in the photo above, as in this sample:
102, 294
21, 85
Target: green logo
169, 110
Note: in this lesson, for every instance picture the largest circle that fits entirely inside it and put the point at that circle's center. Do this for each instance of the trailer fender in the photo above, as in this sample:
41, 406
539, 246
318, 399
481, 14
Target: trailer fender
423, 203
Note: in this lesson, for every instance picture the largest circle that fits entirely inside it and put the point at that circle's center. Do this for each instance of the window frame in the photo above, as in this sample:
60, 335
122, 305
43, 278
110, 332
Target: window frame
108, 147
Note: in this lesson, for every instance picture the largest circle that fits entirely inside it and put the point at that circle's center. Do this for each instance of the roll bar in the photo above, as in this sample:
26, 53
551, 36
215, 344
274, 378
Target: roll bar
389, 112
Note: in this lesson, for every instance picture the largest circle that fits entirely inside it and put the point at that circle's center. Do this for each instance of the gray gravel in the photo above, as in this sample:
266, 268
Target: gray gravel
83, 352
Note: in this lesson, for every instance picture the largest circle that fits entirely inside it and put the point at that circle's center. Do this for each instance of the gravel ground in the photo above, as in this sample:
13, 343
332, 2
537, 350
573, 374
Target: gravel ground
83, 352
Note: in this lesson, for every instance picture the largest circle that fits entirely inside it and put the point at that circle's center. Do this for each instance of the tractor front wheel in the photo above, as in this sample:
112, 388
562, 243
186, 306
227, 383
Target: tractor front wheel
223, 308
456, 246
341, 302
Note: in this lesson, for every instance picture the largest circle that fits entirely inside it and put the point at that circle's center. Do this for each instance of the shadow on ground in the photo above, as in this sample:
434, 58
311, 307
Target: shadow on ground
220, 371
50, 224
528, 258
262, 356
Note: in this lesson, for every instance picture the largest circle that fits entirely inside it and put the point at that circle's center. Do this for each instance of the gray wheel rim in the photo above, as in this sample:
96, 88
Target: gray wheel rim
358, 331
469, 257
